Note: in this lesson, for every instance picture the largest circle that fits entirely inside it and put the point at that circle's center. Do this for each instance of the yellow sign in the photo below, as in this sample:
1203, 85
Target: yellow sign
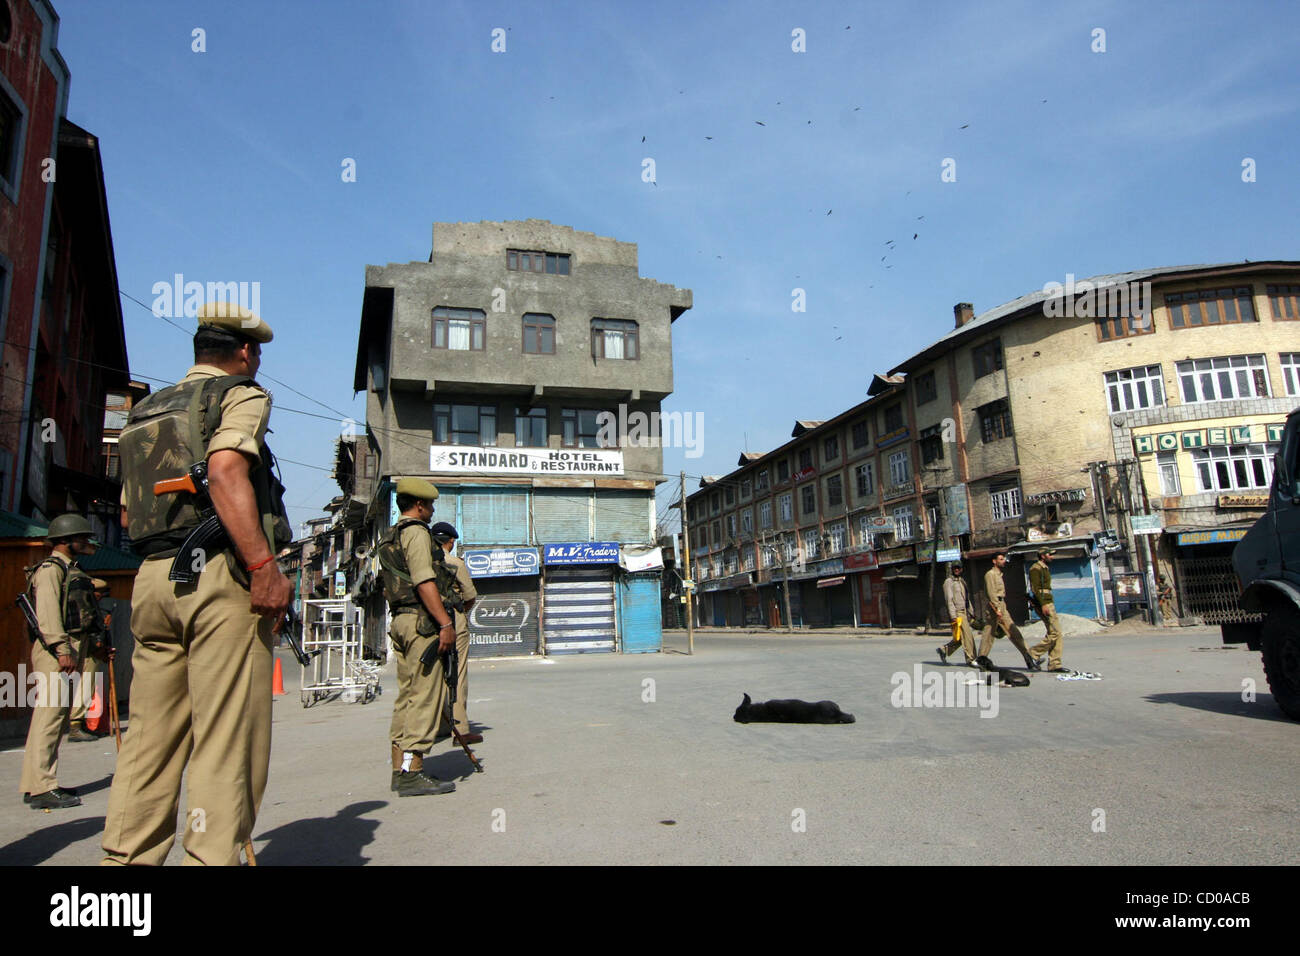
1205, 437
1243, 501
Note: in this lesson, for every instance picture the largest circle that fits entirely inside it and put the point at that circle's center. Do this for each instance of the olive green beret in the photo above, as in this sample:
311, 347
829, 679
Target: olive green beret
417, 488
233, 317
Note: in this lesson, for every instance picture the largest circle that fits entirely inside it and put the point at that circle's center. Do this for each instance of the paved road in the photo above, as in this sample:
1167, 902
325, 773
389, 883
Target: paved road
582, 769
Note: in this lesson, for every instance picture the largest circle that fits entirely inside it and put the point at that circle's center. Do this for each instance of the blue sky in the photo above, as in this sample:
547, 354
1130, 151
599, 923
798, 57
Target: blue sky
225, 166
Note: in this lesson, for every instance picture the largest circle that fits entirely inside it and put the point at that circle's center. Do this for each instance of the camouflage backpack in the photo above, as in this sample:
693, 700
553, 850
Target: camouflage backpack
78, 607
396, 577
165, 434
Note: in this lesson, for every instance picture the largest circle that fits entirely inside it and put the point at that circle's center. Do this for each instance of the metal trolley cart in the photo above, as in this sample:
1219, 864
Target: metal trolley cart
335, 630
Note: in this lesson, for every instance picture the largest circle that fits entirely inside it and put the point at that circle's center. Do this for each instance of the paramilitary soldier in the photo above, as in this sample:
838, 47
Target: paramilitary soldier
201, 689
61, 594
418, 586
995, 590
958, 601
1040, 586
444, 535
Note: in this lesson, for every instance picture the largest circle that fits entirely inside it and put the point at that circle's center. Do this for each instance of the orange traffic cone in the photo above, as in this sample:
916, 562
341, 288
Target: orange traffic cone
95, 719
277, 679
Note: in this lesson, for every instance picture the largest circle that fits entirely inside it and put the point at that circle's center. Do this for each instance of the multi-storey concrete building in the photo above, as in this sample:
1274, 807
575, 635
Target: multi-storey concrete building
1129, 420
513, 370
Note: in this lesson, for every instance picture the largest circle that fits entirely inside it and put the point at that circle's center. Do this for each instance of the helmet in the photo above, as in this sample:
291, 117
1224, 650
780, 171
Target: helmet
68, 526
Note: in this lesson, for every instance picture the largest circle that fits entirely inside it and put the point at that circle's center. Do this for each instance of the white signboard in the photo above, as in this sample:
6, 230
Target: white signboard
640, 559
1146, 524
474, 460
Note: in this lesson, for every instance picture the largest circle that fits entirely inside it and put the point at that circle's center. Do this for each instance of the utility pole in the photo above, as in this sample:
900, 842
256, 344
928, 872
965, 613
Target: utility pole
1145, 558
689, 583
1105, 526
934, 558
785, 592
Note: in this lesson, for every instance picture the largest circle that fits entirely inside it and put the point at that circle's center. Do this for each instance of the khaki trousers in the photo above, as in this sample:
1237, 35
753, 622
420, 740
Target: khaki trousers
1054, 642
961, 637
421, 691
55, 693
462, 674
200, 695
1000, 619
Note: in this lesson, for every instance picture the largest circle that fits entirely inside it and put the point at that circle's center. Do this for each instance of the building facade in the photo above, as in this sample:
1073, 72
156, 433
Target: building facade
521, 370
1127, 420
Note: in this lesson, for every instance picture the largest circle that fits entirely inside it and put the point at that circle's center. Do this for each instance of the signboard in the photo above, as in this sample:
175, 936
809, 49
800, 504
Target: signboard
1146, 524
1212, 536
1128, 586
1243, 501
830, 582
1203, 437
340, 584
504, 620
880, 524
896, 555
633, 558
581, 552
1054, 497
803, 473
925, 553
501, 562
477, 460
1064, 530
958, 519
864, 560
891, 438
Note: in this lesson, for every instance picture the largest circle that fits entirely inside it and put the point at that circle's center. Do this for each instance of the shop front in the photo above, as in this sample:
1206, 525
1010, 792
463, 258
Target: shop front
902, 579
869, 587
578, 597
504, 621
1076, 579
1204, 576
639, 608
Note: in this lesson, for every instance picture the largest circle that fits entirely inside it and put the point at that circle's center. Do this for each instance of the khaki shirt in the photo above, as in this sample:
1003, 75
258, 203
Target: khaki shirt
468, 592
48, 593
954, 592
417, 548
995, 589
245, 411
1040, 582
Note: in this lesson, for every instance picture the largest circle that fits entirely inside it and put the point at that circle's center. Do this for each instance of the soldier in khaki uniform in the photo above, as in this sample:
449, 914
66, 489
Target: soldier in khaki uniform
445, 536
419, 621
1040, 585
201, 689
56, 654
995, 590
958, 601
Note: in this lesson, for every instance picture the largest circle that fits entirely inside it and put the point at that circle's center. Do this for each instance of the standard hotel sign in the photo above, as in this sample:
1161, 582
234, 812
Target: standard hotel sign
471, 459
1204, 437
581, 552
501, 562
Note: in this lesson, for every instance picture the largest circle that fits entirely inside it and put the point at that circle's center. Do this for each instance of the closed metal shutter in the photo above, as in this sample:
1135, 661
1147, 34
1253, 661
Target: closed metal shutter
638, 596
623, 516
561, 514
503, 621
494, 515
1072, 587
579, 610
1211, 590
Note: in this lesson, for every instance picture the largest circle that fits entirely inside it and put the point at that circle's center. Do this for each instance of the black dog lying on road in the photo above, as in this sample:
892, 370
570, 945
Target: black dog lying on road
1006, 676
791, 712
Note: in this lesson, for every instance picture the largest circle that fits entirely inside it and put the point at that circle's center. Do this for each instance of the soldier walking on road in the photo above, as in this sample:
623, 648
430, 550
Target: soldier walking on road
61, 595
201, 688
414, 583
445, 536
1040, 587
958, 601
995, 590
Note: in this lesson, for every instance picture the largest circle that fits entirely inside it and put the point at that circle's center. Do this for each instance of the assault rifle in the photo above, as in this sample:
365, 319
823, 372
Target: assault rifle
292, 631
29, 614
450, 674
208, 537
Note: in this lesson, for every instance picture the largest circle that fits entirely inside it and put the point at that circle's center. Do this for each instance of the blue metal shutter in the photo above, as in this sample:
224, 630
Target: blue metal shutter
1072, 589
639, 609
493, 515
623, 516
561, 514
578, 609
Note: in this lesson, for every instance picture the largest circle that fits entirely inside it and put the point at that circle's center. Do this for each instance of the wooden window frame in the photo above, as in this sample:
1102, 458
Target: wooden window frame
630, 331
533, 330
1206, 301
985, 353
477, 319
1278, 294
